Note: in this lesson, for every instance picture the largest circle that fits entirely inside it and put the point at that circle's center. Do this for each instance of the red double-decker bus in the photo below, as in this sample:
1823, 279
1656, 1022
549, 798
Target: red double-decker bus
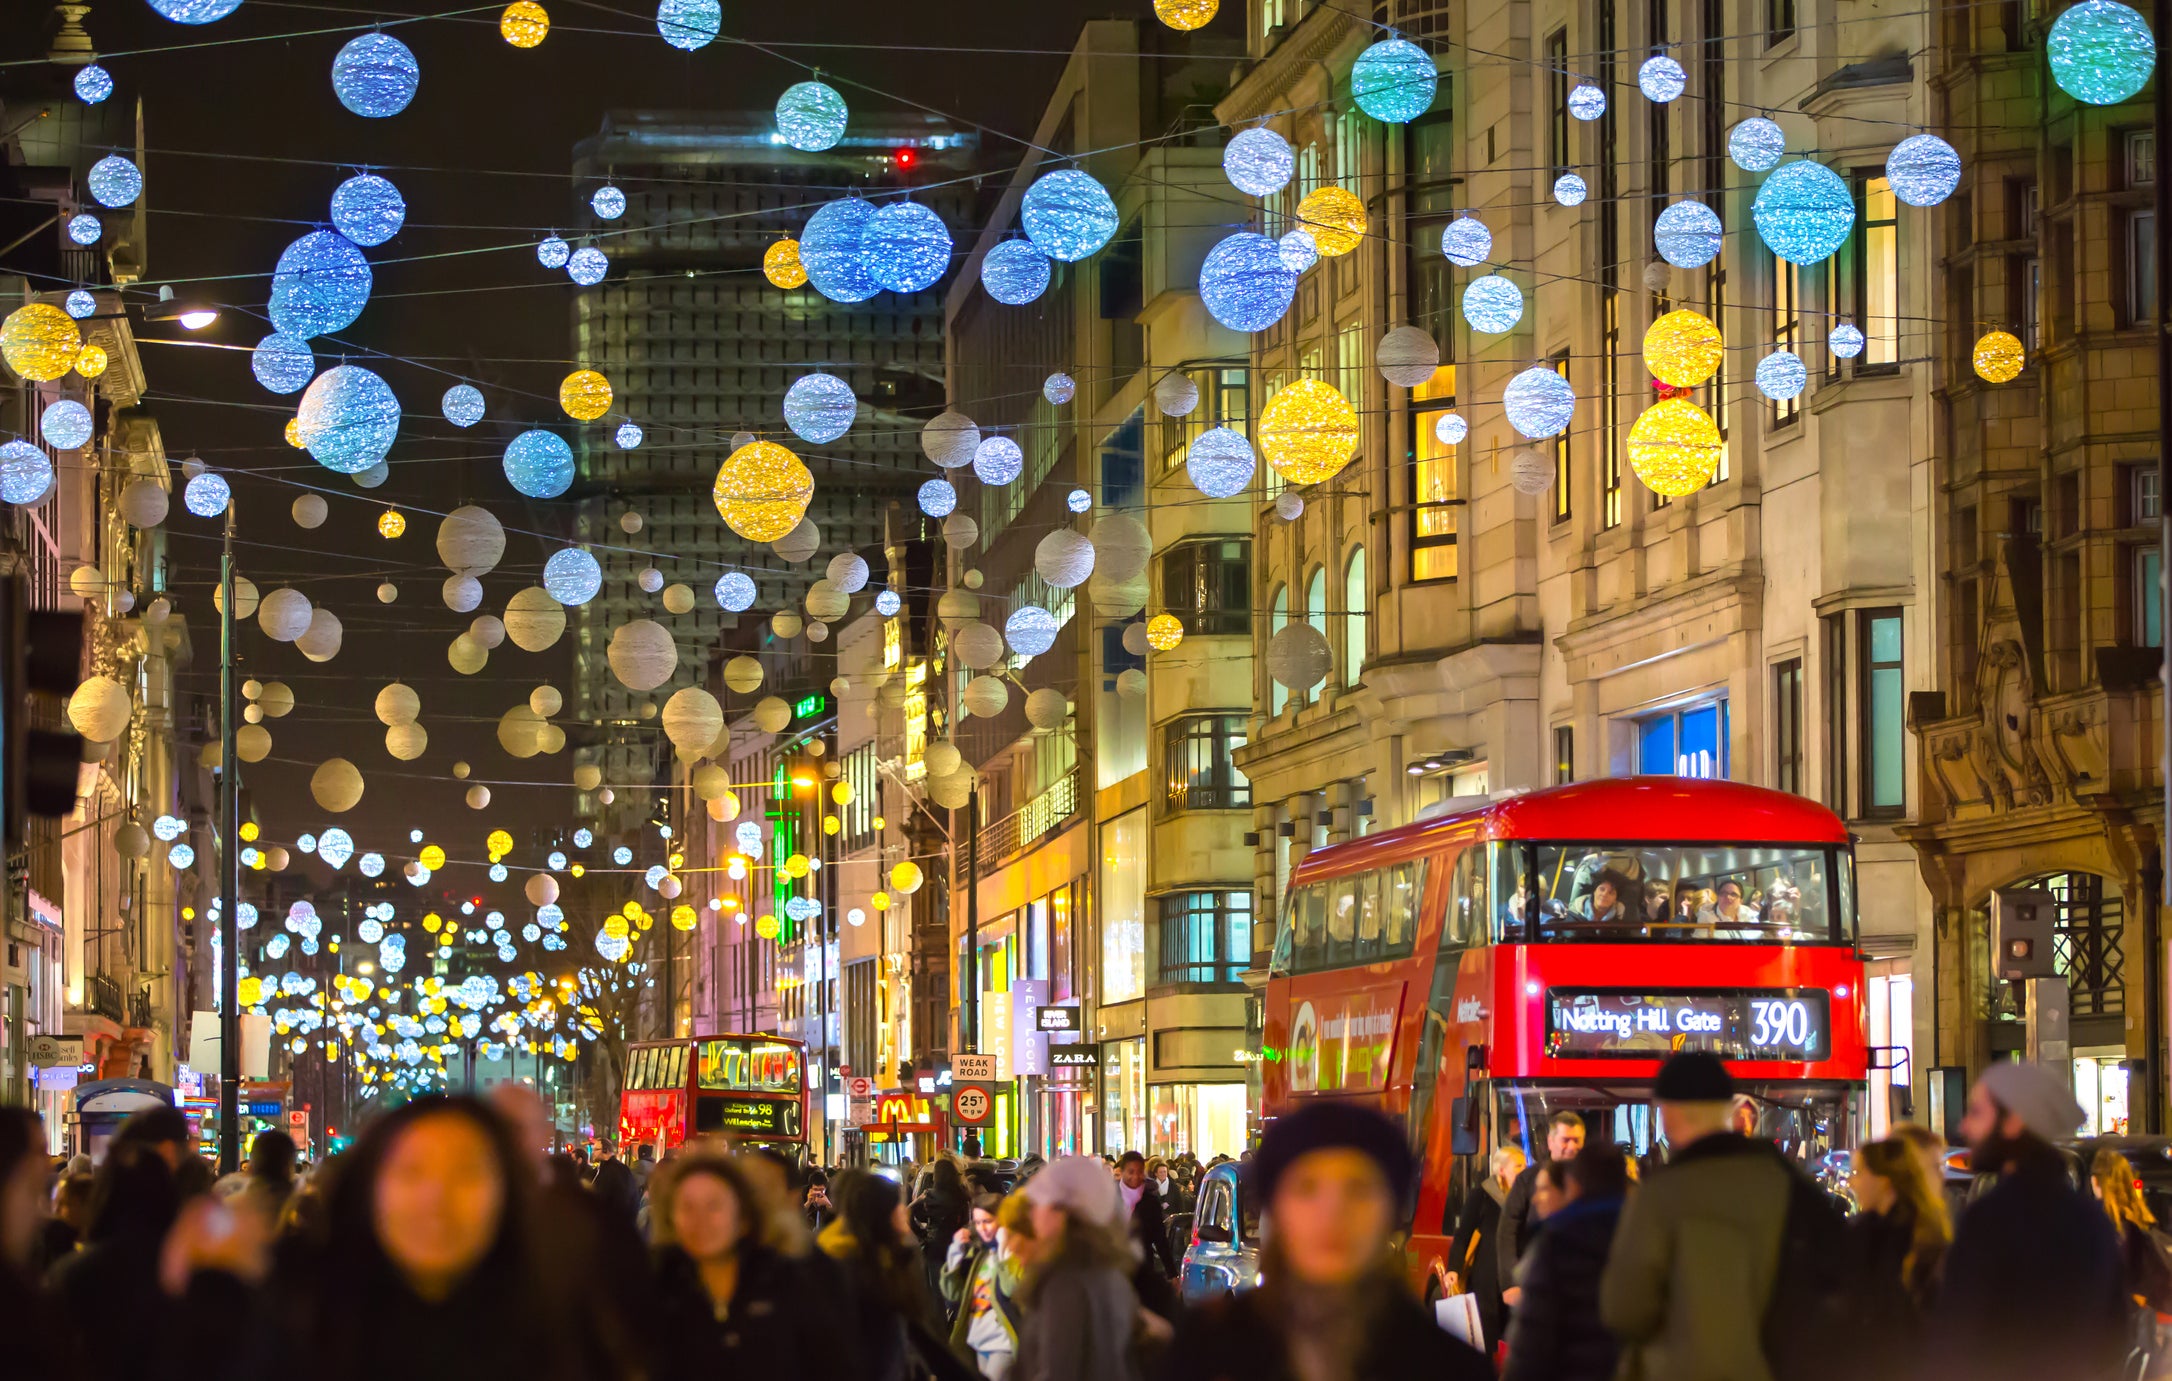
751, 1088
1474, 973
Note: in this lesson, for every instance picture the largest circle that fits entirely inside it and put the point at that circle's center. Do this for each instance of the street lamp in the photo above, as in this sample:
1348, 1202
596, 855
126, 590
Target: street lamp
194, 313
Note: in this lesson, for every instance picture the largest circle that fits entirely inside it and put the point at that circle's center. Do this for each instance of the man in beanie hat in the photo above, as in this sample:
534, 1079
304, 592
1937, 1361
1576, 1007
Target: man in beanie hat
1727, 1260
2033, 1282
1332, 1300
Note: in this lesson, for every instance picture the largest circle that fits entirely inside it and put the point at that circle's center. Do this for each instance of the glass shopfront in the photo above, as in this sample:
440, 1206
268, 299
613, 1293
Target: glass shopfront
1123, 1084
1207, 1120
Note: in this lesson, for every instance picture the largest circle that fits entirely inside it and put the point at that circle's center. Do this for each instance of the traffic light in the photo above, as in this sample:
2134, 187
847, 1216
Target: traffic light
41, 653
2023, 922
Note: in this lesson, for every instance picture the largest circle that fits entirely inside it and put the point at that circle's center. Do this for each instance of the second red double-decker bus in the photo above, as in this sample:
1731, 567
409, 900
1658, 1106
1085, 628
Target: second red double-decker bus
1475, 973
751, 1088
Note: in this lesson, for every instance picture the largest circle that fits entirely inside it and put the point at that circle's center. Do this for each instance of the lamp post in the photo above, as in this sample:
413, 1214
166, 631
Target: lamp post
229, 871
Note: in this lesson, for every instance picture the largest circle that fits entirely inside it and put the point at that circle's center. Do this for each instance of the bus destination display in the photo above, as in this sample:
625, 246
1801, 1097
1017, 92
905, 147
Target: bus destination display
1752, 1024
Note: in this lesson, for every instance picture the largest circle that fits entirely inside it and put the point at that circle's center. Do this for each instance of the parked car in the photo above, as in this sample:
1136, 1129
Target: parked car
1223, 1258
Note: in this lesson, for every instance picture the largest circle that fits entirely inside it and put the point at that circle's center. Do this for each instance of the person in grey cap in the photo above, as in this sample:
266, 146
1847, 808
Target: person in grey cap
2033, 1279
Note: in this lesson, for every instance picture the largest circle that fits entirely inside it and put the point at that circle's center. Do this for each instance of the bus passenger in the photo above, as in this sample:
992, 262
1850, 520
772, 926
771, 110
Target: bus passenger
1658, 903
1728, 913
1607, 903
1564, 1138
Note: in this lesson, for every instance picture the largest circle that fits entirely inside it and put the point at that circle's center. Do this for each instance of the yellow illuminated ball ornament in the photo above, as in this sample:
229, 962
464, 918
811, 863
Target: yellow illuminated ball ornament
905, 877
91, 363
499, 842
781, 265
1186, 15
682, 918
431, 857
796, 866
294, 432
524, 23
390, 523
1998, 357
765, 926
1683, 348
1336, 219
762, 491
585, 395
1308, 432
841, 792
1674, 447
1164, 631
880, 901
40, 341
616, 927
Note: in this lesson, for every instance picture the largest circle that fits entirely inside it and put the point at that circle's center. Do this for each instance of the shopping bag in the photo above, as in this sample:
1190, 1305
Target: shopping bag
1458, 1315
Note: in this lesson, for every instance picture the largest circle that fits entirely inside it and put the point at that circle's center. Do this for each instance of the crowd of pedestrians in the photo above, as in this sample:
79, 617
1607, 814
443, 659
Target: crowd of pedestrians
449, 1243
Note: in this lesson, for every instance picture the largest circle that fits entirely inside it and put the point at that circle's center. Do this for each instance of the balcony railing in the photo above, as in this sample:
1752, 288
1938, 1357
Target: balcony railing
102, 995
1031, 823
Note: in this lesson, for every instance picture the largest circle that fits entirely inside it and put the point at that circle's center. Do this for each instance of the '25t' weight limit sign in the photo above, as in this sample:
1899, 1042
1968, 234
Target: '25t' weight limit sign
971, 1104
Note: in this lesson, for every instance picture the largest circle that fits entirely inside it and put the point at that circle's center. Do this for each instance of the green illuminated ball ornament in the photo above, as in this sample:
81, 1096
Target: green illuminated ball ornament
2101, 52
1804, 211
375, 76
1393, 81
811, 116
1674, 447
347, 419
829, 250
1245, 284
1014, 272
905, 247
539, 464
320, 285
1068, 215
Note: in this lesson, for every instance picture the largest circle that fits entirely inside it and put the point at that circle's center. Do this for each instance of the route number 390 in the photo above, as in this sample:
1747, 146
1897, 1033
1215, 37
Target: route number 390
1780, 1022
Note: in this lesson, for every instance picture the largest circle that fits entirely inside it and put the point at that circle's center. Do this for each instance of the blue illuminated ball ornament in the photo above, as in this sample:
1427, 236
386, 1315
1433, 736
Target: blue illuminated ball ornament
937, 498
195, 11
689, 24
1538, 402
375, 76
539, 464
84, 228
735, 592
1846, 341
347, 419
829, 250
819, 407
1451, 429
1923, 169
1067, 215
811, 116
499, 872
1059, 388
1030, 630
335, 846
462, 405
1299, 250
65, 425
1259, 162
1688, 234
1492, 304
1245, 284
572, 577
1587, 102
1756, 144
1803, 211
26, 473
905, 247
1078, 501
283, 363
628, 436
553, 253
368, 210
1220, 463
622, 855
206, 496
115, 181
370, 865
93, 84
609, 203
321, 285
1781, 374
1661, 79
887, 603
1014, 272
1467, 242
1393, 81
81, 304
2101, 52
997, 460
588, 266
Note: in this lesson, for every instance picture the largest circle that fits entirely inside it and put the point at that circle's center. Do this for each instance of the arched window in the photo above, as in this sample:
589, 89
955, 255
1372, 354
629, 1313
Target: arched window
1356, 609
1316, 604
1278, 694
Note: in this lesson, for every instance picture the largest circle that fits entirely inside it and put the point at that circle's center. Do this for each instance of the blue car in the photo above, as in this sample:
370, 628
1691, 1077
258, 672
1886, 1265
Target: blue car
1223, 1258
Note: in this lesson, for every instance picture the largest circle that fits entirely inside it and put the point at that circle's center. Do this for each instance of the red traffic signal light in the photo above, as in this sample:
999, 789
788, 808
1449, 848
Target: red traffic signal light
906, 158
41, 653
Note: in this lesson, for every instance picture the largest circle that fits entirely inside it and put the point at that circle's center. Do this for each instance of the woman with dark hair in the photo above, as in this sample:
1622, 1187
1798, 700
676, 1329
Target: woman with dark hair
30, 1344
1332, 1304
134, 1201
620, 1192
728, 1305
872, 1244
937, 1214
1895, 1244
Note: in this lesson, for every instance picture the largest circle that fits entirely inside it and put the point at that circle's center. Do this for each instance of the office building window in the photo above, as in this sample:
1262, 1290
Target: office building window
1356, 612
1431, 200
1716, 391
1787, 757
1610, 406
2149, 596
1434, 506
1316, 602
2142, 497
1206, 937
1557, 101
1686, 742
1836, 712
1564, 754
1882, 723
1786, 329
1564, 477
1199, 762
1208, 584
1779, 21
1277, 619
1877, 274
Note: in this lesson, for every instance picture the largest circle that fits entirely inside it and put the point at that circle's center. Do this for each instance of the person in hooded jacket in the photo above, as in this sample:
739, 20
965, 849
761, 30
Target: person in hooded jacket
1081, 1315
1332, 1304
1473, 1265
1557, 1335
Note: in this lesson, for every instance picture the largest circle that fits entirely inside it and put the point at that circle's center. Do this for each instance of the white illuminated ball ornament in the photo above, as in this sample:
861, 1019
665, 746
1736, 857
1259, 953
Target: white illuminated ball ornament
347, 419
1259, 162
92, 83
1661, 79
462, 405
368, 210
1220, 463
1538, 402
1451, 429
572, 576
1068, 215
1078, 501
588, 266
1923, 169
195, 11
552, 252
26, 473
1587, 102
81, 304
887, 603
1846, 341
1467, 242
375, 76
1014, 272
65, 424
206, 495
1245, 284
735, 592
1299, 250
998, 460
115, 181
1492, 304
628, 436
1782, 375
937, 498
85, 229
819, 407
1688, 234
1756, 144
1059, 388
609, 203
1569, 190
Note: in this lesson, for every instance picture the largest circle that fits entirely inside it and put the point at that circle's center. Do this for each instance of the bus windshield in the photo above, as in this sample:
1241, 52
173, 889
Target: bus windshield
1765, 894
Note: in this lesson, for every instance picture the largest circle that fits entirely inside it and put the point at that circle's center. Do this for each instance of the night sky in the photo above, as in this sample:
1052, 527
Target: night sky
246, 143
